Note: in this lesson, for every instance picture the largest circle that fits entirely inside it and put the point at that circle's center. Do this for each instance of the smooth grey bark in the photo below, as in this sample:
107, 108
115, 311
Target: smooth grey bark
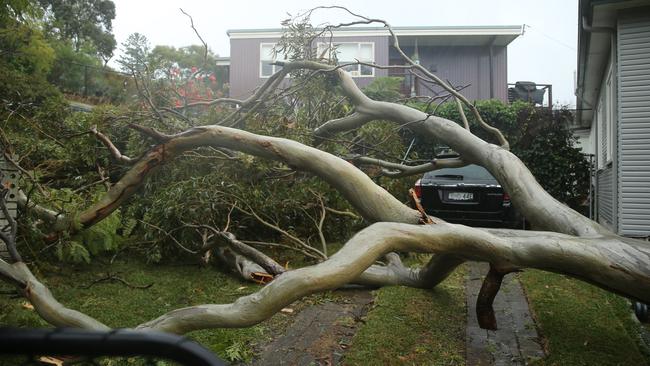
114, 151
610, 263
249, 263
245, 268
268, 264
614, 264
43, 301
394, 273
397, 170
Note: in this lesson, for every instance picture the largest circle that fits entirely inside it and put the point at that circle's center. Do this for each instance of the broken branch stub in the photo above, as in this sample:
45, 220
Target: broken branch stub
489, 290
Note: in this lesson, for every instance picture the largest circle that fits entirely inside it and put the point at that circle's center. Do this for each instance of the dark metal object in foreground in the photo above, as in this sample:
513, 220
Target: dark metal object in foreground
642, 312
120, 342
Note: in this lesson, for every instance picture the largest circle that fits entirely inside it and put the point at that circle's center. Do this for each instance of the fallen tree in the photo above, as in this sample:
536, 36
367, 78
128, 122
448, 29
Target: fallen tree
566, 242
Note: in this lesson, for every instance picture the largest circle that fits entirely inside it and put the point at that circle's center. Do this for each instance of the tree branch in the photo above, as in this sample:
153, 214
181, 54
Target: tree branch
150, 132
463, 117
351, 122
8, 274
169, 235
242, 265
253, 254
485, 299
56, 221
321, 221
395, 273
205, 45
209, 103
115, 152
312, 252
539, 207
431, 76
591, 259
349, 214
397, 170
351, 182
44, 302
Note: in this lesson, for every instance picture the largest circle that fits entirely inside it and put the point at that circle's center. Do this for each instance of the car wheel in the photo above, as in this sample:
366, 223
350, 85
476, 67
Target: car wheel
641, 312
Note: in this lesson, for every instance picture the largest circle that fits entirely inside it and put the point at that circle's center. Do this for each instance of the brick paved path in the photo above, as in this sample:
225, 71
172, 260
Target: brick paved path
319, 334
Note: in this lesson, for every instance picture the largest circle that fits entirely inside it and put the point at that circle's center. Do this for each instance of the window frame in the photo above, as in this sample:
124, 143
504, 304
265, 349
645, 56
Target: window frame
355, 73
610, 115
601, 129
605, 115
275, 68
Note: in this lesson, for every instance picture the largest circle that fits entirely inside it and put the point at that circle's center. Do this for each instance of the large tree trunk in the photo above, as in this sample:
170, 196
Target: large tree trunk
581, 248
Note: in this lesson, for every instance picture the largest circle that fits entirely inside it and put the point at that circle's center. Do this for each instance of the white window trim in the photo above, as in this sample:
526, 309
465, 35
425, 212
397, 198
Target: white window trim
600, 121
358, 75
276, 68
611, 115
605, 116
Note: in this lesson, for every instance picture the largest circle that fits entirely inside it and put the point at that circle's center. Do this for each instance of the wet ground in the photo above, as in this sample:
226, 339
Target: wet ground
319, 334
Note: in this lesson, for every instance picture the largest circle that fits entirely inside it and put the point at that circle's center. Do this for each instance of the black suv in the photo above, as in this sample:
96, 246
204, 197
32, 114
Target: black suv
467, 195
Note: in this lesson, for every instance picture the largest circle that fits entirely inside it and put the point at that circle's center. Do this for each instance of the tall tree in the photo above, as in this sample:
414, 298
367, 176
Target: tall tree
26, 58
183, 57
83, 22
136, 51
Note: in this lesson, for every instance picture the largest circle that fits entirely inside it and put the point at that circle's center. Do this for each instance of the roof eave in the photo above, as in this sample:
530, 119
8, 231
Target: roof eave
501, 30
591, 62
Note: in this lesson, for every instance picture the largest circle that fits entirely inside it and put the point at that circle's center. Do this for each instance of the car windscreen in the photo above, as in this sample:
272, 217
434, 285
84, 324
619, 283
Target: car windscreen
467, 173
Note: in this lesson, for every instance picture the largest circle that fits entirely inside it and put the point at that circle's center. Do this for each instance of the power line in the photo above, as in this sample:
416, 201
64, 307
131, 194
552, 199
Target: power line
550, 38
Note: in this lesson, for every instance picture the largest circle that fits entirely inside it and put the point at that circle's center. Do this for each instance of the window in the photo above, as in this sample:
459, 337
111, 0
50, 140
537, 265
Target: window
351, 52
268, 56
611, 116
602, 131
606, 118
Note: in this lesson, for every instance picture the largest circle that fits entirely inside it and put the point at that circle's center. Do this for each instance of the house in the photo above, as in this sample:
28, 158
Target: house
471, 56
613, 109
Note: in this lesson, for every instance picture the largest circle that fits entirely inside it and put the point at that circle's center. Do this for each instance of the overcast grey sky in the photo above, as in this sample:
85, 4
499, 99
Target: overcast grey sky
545, 54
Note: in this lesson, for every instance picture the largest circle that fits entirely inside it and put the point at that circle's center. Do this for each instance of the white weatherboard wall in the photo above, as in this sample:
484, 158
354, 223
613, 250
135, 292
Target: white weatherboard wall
634, 124
605, 199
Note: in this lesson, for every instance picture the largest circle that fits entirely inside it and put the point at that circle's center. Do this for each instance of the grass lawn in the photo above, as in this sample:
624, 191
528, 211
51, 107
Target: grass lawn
117, 305
414, 327
406, 325
582, 324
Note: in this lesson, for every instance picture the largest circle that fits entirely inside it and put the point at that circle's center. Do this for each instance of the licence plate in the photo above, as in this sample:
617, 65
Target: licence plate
461, 196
